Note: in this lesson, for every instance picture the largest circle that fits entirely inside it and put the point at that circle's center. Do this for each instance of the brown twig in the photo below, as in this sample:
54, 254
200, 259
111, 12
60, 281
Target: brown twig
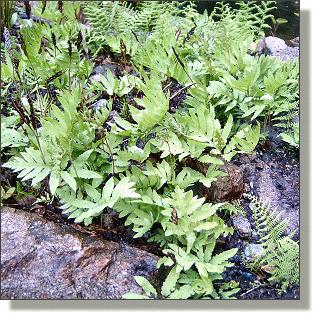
179, 91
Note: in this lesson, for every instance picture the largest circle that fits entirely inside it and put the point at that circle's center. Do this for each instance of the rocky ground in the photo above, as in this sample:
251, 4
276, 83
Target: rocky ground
273, 176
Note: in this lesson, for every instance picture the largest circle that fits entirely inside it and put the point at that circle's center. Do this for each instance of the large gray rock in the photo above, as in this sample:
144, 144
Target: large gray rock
277, 47
269, 193
44, 260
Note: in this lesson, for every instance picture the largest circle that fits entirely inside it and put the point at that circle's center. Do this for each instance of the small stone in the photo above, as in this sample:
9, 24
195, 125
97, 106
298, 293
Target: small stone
246, 188
293, 162
266, 157
261, 47
275, 44
247, 276
255, 249
245, 160
254, 235
242, 225
89, 96
113, 114
268, 269
100, 104
293, 42
140, 144
254, 156
96, 77
223, 188
273, 165
260, 165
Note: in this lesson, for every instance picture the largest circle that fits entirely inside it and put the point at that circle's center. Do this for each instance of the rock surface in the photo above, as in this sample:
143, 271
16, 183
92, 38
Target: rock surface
269, 193
277, 47
44, 260
254, 249
223, 188
241, 225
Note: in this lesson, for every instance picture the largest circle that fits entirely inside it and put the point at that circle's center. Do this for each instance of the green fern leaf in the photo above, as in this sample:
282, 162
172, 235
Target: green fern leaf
146, 285
31, 166
170, 282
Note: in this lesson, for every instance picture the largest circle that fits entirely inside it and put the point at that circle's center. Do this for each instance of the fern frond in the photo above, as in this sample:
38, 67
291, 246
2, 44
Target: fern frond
112, 191
281, 254
155, 103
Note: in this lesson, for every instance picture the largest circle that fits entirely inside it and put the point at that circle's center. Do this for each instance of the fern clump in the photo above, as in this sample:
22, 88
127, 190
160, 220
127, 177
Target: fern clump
281, 254
191, 229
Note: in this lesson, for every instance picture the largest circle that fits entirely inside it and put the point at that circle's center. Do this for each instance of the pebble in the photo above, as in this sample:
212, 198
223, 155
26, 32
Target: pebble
260, 165
256, 249
293, 162
293, 42
275, 44
254, 156
278, 48
251, 206
247, 276
266, 157
100, 103
246, 188
273, 165
280, 183
102, 69
254, 235
242, 225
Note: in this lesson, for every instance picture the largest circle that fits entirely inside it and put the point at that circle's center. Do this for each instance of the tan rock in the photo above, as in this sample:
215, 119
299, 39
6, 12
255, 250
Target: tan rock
227, 187
45, 260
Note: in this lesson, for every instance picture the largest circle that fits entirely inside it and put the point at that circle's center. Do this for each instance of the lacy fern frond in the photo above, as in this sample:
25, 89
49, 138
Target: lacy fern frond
281, 255
289, 107
108, 17
234, 207
255, 15
250, 17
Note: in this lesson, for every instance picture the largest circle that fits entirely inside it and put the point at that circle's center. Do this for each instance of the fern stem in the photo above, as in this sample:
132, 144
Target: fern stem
38, 141
24, 117
69, 73
106, 140
179, 91
170, 160
75, 170
38, 86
